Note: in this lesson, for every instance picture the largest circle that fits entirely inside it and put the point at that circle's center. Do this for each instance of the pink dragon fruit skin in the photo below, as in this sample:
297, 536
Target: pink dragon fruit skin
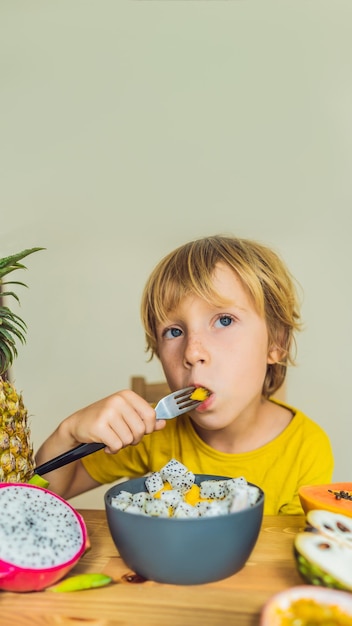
24, 578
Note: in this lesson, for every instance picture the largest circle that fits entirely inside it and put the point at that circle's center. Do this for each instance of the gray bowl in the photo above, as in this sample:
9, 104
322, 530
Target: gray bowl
187, 551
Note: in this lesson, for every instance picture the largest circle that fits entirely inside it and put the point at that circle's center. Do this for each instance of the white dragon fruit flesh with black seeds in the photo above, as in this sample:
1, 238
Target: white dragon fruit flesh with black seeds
41, 537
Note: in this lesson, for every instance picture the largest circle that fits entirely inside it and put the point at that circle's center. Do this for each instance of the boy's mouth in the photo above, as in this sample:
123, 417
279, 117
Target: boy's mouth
202, 394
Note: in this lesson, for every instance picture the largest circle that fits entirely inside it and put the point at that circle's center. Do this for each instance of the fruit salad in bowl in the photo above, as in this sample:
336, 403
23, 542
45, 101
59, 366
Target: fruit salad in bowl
177, 527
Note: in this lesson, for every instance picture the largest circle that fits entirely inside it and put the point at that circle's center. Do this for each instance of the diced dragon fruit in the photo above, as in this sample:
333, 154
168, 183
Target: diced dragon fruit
217, 507
182, 482
240, 500
253, 494
173, 492
172, 497
135, 509
120, 504
121, 500
201, 507
141, 498
172, 469
234, 483
185, 510
157, 508
154, 482
213, 489
124, 495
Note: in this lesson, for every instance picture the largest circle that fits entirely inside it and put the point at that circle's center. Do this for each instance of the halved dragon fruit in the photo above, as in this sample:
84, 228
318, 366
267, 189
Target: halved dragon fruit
41, 537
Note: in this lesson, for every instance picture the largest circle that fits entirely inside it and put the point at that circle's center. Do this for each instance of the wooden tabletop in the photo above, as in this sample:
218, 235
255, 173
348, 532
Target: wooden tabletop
237, 600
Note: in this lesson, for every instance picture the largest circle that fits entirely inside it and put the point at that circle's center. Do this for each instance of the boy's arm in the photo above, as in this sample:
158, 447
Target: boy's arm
119, 420
70, 480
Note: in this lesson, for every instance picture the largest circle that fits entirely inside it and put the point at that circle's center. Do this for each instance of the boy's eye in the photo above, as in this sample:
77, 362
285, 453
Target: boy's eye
172, 332
224, 320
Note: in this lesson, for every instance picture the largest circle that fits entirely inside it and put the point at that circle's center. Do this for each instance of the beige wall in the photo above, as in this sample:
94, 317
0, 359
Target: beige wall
129, 127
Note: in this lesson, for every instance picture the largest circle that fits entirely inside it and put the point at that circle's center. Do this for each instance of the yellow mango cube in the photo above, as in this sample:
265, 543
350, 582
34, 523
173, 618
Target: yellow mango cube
199, 394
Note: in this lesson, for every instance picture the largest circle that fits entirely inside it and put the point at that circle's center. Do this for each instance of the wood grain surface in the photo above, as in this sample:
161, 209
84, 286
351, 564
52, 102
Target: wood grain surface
236, 600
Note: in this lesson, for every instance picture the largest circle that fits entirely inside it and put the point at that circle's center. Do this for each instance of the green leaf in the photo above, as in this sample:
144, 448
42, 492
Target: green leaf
6, 336
7, 326
6, 313
13, 282
81, 582
10, 293
7, 356
9, 321
11, 268
12, 261
13, 326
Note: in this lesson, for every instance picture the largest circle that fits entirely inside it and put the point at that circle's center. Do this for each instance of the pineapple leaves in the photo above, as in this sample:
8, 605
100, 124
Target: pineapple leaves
7, 330
12, 327
11, 293
10, 320
6, 356
10, 263
13, 282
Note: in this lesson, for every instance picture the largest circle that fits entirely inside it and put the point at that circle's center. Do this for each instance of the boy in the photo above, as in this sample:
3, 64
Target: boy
219, 312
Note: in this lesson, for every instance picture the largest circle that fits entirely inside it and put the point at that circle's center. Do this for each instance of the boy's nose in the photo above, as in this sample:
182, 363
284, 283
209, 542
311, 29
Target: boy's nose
194, 352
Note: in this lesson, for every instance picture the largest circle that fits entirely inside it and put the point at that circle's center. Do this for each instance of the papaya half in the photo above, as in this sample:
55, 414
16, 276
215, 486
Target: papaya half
335, 497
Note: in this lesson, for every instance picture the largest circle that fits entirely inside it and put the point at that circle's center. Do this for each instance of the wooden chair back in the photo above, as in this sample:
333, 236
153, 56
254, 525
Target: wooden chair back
152, 392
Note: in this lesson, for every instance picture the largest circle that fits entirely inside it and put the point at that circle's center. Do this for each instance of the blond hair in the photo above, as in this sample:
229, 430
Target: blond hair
189, 270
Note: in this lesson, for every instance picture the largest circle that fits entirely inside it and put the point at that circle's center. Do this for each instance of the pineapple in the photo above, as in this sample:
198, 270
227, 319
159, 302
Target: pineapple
16, 450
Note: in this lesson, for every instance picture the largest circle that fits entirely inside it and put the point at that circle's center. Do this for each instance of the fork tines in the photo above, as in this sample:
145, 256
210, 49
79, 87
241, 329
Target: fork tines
183, 398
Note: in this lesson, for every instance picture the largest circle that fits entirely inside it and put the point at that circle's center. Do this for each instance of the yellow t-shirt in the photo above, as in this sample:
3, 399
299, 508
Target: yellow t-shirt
300, 455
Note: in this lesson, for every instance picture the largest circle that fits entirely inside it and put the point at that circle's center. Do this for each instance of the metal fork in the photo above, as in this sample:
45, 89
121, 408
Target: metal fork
175, 404
168, 407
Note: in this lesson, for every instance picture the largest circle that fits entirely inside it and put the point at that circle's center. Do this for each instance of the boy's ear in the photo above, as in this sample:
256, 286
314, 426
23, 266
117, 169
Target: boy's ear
278, 351
275, 355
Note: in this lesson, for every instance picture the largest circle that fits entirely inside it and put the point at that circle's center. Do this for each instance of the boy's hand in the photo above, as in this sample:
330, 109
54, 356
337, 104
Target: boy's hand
119, 420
